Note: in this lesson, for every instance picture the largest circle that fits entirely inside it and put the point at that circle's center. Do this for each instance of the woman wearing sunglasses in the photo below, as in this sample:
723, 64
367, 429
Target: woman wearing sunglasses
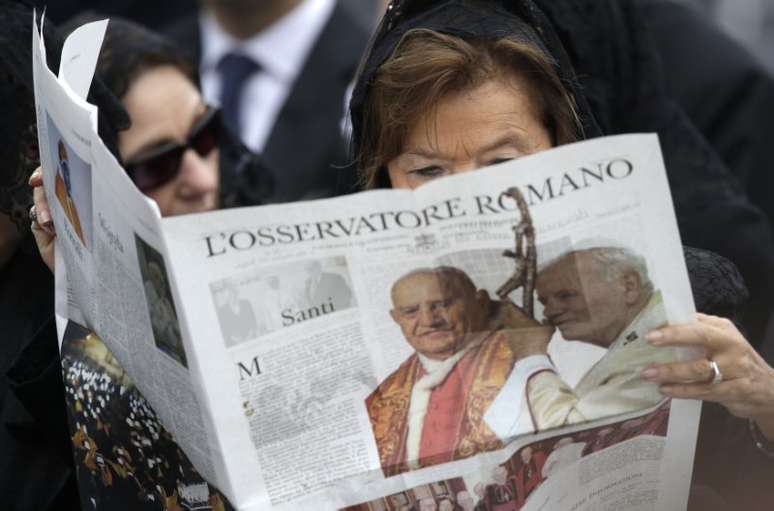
173, 147
449, 86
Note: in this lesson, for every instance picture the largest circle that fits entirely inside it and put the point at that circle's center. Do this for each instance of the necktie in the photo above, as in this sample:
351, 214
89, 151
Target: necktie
234, 69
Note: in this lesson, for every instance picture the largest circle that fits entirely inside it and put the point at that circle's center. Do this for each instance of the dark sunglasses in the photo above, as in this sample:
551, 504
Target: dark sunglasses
162, 164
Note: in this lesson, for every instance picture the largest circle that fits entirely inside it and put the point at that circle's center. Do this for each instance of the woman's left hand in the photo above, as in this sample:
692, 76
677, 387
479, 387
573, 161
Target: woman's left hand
747, 385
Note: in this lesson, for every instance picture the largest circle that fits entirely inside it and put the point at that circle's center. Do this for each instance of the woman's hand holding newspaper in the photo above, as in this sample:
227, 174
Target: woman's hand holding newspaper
732, 374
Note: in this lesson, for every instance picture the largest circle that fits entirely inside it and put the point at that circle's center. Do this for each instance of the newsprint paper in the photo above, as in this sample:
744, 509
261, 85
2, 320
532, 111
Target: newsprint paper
473, 344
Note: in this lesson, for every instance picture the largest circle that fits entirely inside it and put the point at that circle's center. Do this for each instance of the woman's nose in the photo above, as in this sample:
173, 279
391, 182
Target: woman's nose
199, 175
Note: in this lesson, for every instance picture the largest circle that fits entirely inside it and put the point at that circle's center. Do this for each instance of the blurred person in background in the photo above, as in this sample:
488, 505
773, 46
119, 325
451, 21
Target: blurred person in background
280, 70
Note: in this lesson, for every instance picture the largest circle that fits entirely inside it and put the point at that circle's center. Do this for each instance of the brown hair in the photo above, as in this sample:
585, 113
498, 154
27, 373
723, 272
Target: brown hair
427, 65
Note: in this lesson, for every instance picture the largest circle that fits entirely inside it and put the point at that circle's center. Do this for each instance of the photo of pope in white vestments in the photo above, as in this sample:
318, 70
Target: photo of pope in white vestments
602, 296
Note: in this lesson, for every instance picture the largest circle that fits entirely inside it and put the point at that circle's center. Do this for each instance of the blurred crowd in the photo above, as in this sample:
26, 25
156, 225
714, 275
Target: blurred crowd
227, 103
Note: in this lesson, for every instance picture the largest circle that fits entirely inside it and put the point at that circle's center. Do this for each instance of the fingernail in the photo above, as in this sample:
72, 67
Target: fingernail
654, 336
649, 374
34, 175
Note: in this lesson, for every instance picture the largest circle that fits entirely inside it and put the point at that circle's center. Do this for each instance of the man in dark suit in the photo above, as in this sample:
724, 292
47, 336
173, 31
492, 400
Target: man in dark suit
281, 70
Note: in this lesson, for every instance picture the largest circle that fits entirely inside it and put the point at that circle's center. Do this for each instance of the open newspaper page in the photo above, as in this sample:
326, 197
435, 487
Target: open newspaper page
389, 350
474, 344
112, 277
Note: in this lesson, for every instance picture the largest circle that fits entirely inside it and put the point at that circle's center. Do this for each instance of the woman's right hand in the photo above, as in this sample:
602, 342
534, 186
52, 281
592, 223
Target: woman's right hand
43, 227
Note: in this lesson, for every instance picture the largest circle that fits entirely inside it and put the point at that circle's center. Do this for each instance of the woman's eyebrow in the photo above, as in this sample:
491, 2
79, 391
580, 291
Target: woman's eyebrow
508, 139
154, 143
408, 157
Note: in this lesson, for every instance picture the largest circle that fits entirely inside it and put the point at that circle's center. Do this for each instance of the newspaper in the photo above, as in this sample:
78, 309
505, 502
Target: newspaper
475, 343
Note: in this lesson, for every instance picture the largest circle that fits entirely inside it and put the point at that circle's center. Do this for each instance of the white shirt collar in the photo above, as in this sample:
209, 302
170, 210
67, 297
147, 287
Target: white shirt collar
281, 49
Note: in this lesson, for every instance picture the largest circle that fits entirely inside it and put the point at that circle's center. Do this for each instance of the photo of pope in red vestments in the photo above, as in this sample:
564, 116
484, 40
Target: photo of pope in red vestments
430, 410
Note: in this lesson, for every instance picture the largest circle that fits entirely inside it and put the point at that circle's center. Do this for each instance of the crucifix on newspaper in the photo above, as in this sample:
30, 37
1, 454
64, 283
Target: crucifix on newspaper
524, 258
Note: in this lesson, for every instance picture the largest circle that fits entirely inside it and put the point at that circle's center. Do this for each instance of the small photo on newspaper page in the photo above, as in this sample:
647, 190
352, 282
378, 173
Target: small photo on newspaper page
161, 306
124, 456
527, 476
505, 342
72, 184
257, 303
448, 495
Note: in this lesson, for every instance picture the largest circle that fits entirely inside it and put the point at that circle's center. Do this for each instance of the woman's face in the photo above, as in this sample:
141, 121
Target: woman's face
469, 130
163, 105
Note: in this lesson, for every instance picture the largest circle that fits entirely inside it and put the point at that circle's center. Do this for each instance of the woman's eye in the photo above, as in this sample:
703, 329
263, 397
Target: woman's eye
499, 160
428, 172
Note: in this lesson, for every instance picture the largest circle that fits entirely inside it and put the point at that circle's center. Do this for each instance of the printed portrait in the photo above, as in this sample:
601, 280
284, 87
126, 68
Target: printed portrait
431, 409
602, 296
161, 306
72, 185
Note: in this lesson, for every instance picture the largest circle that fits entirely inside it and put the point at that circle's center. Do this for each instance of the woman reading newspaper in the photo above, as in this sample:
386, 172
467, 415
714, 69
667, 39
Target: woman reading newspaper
454, 85
541, 119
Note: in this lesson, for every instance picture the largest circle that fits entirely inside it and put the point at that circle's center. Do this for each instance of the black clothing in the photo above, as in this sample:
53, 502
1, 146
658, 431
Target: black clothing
727, 94
245, 179
729, 471
153, 15
36, 465
305, 150
729, 97
728, 468
22, 313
